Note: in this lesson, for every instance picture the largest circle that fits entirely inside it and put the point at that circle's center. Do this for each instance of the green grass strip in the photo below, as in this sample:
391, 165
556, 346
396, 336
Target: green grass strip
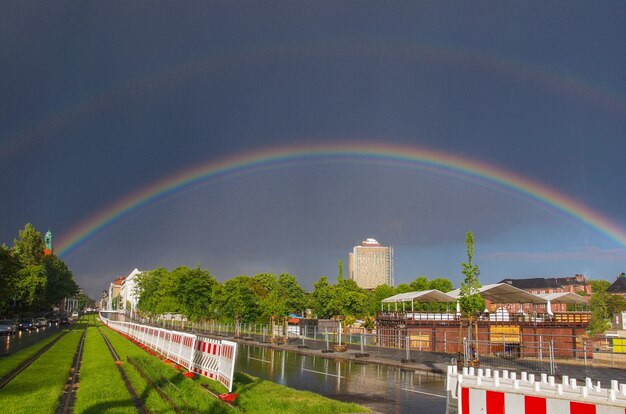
10, 362
260, 396
101, 388
38, 388
148, 395
255, 395
186, 394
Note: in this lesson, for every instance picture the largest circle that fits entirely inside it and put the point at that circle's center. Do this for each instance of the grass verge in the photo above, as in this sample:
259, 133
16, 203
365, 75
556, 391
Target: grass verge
101, 388
38, 388
124, 348
259, 396
255, 395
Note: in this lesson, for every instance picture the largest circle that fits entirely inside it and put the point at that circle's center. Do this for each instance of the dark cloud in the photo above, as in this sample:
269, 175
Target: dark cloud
100, 101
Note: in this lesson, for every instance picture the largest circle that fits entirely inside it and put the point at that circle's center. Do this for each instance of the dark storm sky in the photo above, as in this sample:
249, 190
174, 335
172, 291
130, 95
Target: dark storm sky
101, 99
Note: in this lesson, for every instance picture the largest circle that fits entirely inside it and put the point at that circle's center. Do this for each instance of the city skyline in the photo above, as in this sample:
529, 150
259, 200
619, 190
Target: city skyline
275, 137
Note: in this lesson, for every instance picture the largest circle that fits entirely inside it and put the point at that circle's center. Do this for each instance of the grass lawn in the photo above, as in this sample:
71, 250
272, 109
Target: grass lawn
259, 396
101, 387
255, 395
38, 388
124, 348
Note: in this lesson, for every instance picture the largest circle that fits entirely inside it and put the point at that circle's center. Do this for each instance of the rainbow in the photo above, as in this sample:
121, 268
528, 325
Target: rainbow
272, 158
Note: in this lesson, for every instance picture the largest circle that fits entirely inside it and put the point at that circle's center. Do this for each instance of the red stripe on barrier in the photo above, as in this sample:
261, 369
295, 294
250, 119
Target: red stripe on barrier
465, 400
581, 408
534, 405
495, 402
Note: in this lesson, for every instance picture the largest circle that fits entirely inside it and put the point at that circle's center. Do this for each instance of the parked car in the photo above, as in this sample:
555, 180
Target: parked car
64, 321
54, 319
27, 324
42, 322
8, 327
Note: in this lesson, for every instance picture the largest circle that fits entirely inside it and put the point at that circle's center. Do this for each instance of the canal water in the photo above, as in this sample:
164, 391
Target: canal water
381, 388
22, 339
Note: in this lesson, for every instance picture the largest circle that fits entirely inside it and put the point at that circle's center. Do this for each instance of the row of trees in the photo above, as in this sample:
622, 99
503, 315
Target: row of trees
197, 295
31, 281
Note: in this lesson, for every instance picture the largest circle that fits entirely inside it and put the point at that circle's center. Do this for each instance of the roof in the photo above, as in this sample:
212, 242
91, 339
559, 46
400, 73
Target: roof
370, 243
119, 280
533, 283
563, 297
432, 295
576, 280
503, 293
619, 286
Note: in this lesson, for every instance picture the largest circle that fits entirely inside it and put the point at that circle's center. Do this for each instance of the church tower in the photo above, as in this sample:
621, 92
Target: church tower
48, 240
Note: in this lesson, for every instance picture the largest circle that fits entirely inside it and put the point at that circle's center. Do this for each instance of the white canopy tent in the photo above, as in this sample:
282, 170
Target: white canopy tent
503, 293
561, 297
423, 296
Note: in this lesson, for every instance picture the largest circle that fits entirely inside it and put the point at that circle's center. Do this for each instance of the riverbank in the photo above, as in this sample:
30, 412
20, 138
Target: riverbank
430, 362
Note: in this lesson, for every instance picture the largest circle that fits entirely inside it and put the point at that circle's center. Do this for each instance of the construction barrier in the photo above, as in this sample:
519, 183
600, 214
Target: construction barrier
494, 392
212, 358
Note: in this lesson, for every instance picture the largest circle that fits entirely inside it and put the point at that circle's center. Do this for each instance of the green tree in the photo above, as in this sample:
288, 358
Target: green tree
59, 281
168, 300
31, 287
615, 304
441, 284
598, 286
599, 313
84, 301
8, 280
195, 292
419, 284
470, 300
29, 247
380, 292
320, 298
238, 300
340, 276
148, 283
295, 295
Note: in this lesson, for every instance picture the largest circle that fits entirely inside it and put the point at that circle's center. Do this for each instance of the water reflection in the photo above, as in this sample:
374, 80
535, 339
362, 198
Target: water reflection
381, 388
22, 339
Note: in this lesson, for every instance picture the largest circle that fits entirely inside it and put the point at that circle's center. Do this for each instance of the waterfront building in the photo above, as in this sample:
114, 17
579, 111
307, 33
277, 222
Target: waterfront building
371, 264
544, 286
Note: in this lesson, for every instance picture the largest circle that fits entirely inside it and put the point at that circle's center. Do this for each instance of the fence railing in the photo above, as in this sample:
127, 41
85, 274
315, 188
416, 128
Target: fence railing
554, 354
211, 358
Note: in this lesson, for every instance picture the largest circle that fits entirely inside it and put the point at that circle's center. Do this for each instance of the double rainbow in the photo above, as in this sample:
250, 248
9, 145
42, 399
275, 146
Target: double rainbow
413, 157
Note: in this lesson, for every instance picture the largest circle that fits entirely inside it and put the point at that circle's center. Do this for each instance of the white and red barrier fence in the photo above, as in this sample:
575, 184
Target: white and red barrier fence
212, 358
494, 392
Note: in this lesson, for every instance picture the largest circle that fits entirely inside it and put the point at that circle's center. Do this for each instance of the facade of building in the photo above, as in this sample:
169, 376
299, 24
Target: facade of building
575, 284
114, 294
129, 293
371, 264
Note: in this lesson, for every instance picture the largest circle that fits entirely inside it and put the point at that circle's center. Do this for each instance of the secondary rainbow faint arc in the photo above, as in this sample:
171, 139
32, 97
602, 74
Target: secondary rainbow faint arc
277, 156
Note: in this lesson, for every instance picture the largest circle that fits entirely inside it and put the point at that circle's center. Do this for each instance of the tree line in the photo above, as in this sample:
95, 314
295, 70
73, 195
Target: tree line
197, 295
31, 281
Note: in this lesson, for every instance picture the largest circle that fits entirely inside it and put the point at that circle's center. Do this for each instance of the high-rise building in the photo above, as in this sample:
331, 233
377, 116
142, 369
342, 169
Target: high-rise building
371, 264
